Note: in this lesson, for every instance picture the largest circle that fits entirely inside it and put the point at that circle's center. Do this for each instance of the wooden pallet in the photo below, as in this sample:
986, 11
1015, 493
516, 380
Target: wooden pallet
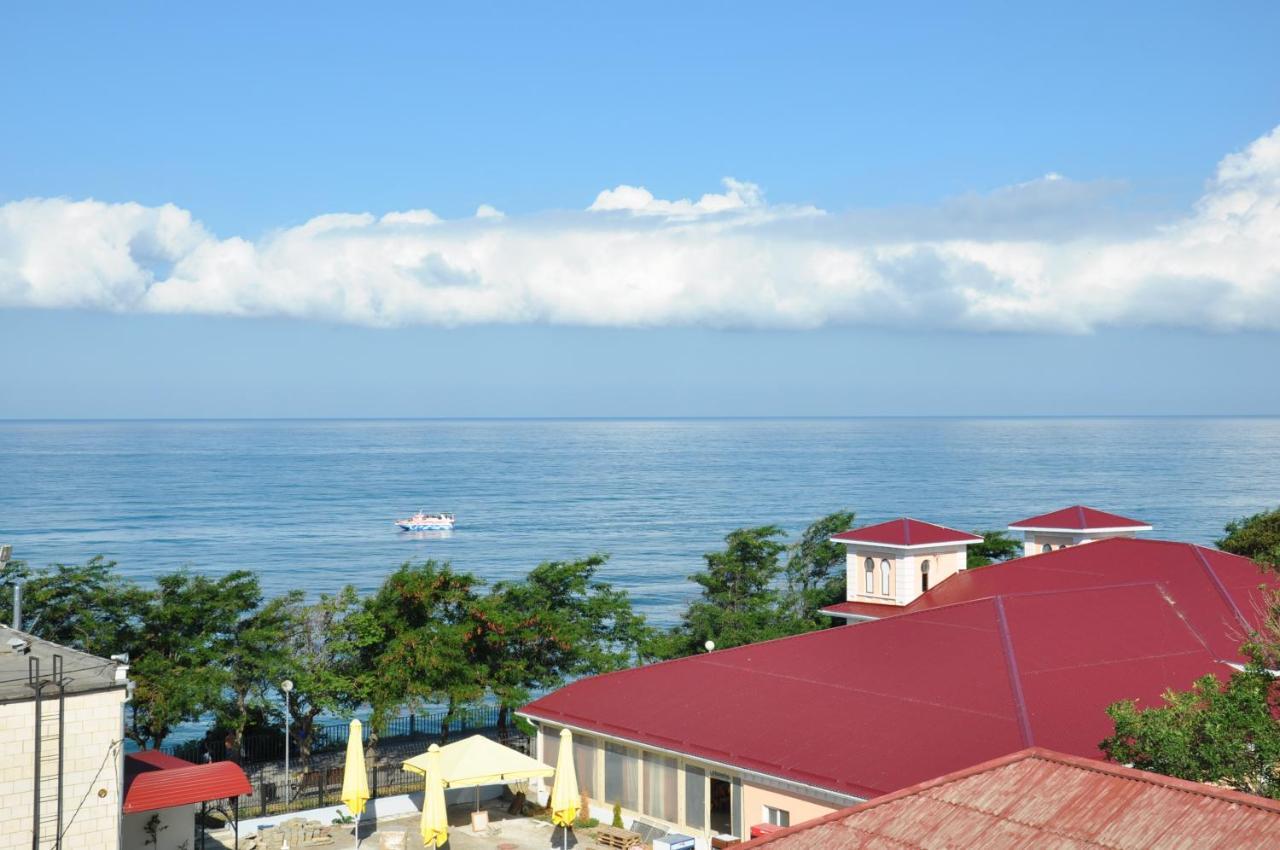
622, 839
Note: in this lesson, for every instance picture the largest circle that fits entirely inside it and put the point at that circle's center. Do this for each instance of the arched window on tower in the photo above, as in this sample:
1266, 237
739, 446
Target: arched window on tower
924, 576
869, 566
884, 577
1046, 548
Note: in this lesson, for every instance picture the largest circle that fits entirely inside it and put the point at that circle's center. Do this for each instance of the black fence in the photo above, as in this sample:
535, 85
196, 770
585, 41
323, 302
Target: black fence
315, 777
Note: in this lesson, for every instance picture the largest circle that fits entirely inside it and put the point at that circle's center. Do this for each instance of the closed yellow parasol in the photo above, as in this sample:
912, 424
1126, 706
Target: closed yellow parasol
435, 818
355, 779
564, 793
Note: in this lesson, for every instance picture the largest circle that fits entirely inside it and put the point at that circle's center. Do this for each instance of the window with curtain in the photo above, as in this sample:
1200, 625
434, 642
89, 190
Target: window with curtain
660, 775
884, 577
870, 567
550, 746
695, 797
622, 777
584, 763
777, 817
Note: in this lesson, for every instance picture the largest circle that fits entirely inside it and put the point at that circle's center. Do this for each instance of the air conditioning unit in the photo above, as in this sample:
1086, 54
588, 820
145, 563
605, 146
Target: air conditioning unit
674, 842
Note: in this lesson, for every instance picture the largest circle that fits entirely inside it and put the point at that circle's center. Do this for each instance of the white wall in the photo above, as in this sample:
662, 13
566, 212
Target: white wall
174, 826
92, 759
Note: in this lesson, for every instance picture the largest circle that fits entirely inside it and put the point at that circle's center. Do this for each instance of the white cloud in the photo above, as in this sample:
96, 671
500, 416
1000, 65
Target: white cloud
1045, 255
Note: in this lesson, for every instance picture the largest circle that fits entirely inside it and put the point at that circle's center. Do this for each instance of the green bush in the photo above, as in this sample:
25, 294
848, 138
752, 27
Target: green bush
617, 815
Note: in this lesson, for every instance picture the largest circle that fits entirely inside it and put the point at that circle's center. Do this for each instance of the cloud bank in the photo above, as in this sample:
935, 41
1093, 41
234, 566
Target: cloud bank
1040, 256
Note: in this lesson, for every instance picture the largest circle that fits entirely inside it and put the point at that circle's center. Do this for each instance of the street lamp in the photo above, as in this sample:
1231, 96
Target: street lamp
710, 645
286, 686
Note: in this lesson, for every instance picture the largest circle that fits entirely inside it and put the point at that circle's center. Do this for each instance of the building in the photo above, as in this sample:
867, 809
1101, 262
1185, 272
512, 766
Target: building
1071, 527
61, 737
1040, 798
985, 663
890, 564
162, 792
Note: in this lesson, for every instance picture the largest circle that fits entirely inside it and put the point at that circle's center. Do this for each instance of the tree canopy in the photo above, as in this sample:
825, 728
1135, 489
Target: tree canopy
995, 546
1256, 537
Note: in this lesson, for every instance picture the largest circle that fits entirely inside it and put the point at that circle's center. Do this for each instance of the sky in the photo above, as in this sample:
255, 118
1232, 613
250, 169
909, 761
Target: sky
658, 209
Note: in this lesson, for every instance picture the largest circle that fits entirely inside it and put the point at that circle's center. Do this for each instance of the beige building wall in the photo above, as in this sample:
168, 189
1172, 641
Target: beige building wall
92, 759
1035, 541
755, 798
904, 567
175, 829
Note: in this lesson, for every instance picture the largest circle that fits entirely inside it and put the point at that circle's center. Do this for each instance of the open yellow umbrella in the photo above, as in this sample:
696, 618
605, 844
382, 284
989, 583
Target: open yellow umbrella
564, 793
355, 779
435, 818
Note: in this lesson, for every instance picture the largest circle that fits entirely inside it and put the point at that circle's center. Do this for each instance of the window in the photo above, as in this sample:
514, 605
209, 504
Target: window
695, 796
870, 566
584, 763
1046, 548
622, 777
660, 775
924, 576
550, 746
884, 577
777, 817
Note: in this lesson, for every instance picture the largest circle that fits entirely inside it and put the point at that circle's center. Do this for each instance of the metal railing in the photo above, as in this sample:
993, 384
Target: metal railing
315, 780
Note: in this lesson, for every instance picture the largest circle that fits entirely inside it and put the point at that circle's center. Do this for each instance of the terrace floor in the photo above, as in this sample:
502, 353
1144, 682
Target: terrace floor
506, 832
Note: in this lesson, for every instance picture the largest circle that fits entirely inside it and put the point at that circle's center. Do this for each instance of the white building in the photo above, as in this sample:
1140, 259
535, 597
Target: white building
61, 746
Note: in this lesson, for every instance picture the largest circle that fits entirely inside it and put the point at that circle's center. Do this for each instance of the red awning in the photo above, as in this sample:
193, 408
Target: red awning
156, 781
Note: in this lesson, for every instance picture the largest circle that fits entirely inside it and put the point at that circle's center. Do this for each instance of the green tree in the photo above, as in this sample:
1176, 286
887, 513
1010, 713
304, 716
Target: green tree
558, 622
740, 602
815, 570
1215, 732
420, 643
995, 546
323, 658
187, 635
87, 606
257, 657
1256, 537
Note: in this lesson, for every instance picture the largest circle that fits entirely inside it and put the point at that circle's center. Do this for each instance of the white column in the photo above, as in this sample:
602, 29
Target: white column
906, 580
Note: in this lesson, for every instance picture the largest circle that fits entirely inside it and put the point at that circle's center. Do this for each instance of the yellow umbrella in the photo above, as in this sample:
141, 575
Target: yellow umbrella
355, 779
564, 793
435, 819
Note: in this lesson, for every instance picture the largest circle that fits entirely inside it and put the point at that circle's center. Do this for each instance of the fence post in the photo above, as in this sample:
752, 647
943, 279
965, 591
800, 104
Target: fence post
413, 725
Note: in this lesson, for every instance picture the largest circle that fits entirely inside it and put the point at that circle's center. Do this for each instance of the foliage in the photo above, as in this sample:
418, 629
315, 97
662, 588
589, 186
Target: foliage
1256, 537
557, 623
257, 659
84, 606
322, 660
1215, 732
995, 546
815, 570
419, 641
740, 602
188, 630
617, 815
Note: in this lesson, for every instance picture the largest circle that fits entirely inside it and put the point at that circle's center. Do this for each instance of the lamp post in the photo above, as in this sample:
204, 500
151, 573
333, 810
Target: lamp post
286, 686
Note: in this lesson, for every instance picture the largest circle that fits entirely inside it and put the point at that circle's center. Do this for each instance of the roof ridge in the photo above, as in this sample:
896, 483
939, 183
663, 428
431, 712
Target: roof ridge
906, 530
1216, 581
1015, 679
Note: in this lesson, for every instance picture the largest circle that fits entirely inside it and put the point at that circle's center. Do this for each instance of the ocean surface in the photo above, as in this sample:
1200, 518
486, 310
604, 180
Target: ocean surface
311, 504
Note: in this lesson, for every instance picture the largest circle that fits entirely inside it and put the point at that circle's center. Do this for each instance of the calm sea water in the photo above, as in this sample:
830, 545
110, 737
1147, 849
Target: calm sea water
310, 504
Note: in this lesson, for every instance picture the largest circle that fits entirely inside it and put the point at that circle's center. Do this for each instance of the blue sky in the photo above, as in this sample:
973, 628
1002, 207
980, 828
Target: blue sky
922, 197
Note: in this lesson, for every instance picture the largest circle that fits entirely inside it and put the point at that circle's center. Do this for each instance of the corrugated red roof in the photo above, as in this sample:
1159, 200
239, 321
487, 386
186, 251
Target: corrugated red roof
1041, 798
1218, 592
862, 609
905, 532
157, 781
870, 708
1079, 518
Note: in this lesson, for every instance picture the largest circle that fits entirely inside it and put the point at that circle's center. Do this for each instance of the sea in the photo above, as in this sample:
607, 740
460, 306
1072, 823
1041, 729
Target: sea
311, 504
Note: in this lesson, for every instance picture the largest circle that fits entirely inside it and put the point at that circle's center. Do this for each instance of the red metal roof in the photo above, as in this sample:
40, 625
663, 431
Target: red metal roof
157, 781
1079, 518
878, 706
1218, 592
862, 609
906, 532
1041, 798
